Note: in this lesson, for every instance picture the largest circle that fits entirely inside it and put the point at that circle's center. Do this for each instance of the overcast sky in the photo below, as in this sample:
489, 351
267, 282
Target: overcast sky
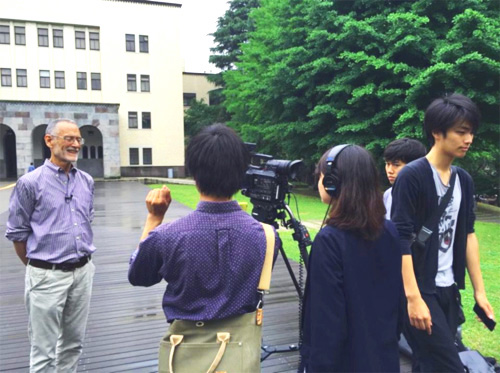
199, 18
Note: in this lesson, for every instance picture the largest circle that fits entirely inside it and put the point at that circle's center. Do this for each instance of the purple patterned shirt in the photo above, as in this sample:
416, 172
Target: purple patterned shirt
52, 211
211, 259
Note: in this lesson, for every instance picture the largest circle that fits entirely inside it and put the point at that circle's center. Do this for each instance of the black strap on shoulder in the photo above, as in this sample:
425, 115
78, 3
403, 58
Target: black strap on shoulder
425, 231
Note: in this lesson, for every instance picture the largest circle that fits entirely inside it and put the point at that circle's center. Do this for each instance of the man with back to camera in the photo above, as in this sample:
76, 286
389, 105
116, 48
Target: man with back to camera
433, 274
398, 154
212, 258
50, 212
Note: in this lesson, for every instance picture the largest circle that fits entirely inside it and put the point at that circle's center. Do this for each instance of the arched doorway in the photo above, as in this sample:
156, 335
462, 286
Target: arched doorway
40, 150
91, 153
8, 155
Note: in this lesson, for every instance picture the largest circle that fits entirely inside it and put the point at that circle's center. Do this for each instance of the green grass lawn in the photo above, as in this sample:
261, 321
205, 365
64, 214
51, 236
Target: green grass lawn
475, 335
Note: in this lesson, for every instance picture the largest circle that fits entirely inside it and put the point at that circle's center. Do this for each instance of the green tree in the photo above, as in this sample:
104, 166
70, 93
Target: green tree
200, 115
232, 31
315, 73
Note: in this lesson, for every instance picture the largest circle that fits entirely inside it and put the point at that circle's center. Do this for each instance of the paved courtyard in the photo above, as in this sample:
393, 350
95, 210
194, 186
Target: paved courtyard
125, 322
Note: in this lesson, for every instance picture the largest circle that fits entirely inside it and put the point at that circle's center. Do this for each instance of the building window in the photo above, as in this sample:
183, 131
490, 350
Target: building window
95, 79
131, 82
188, 97
59, 79
4, 34
44, 79
22, 77
20, 32
132, 119
58, 38
94, 40
214, 97
94, 153
146, 120
130, 42
147, 156
81, 80
43, 37
133, 154
144, 83
143, 44
80, 39
6, 78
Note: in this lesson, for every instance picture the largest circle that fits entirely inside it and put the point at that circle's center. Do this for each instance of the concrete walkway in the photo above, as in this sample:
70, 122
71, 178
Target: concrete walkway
125, 322
488, 213
5, 192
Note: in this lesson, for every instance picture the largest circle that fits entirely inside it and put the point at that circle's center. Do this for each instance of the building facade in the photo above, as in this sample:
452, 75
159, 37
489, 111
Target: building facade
196, 86
112, 66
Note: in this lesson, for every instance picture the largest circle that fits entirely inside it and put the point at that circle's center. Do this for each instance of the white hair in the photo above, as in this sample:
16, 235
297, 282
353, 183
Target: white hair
52, 126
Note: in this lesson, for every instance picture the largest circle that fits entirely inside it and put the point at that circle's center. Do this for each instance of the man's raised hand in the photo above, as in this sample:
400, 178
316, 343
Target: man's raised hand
157, 201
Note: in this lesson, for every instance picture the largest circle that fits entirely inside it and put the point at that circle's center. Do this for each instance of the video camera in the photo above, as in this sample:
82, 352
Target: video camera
266, 183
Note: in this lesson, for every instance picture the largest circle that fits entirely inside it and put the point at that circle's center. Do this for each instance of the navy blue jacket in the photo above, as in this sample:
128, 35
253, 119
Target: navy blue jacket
352, 303
414, 198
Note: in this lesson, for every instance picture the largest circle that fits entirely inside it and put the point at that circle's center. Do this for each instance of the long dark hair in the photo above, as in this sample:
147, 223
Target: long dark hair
359, 206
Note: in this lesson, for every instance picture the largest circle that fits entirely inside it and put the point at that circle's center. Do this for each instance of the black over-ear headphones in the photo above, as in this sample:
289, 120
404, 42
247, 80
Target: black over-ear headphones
330, 181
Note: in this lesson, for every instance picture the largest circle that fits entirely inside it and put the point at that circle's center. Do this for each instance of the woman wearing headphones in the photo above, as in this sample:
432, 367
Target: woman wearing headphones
354, 286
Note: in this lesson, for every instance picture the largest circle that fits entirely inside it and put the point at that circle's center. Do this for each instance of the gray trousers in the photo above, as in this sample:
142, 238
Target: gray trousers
58, 304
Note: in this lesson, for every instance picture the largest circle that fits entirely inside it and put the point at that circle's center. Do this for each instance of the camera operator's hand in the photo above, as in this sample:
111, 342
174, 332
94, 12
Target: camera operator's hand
157, 202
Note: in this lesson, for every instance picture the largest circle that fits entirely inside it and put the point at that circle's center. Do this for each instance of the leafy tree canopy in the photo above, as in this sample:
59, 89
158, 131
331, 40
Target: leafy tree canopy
232, 31
315, 73
200, 115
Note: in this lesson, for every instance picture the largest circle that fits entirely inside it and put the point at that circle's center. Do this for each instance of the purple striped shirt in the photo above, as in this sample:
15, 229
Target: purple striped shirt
52, 211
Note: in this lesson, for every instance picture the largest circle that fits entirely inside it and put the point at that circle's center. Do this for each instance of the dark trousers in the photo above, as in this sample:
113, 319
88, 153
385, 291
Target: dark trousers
437, 352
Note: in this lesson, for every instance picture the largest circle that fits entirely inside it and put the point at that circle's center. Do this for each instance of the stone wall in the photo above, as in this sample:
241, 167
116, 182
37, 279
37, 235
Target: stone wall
24, 117
153, 171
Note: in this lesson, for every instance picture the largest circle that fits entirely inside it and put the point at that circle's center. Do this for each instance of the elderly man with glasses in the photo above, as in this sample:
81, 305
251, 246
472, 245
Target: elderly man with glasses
50, 212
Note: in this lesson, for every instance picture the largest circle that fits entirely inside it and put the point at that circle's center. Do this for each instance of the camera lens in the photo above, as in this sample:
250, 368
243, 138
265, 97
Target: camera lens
285, 167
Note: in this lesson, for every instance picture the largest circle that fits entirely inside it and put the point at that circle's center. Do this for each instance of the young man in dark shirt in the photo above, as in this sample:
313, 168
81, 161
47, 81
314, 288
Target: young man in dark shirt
398, 154
433, 274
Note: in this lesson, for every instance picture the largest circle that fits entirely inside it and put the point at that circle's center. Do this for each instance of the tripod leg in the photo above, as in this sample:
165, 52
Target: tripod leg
290, 271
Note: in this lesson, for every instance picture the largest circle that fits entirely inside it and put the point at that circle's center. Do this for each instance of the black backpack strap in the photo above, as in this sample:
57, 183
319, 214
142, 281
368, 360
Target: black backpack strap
425, 232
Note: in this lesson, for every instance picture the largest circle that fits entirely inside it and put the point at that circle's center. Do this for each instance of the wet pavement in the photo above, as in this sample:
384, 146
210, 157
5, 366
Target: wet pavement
126, 323
488, 214
5, 191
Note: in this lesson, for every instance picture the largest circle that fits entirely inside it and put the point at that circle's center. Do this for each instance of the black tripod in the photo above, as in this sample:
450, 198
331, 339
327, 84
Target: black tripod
301, 235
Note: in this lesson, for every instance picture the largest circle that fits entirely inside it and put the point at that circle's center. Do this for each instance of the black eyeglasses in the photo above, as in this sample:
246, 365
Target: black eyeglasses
71, 139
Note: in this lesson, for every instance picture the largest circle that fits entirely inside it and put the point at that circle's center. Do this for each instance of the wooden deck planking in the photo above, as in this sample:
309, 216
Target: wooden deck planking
125, 322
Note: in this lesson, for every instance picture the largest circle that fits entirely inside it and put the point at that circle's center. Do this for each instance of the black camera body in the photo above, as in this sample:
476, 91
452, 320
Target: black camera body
266, 183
